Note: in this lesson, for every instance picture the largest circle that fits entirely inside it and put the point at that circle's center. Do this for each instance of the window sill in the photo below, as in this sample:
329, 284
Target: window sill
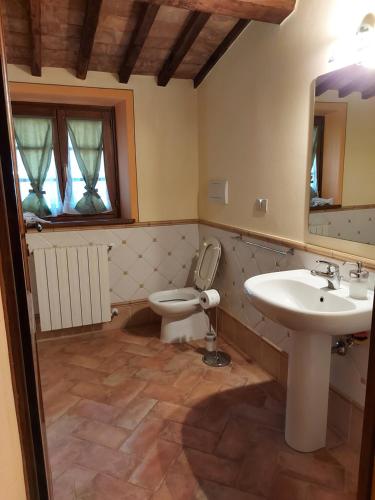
97, 223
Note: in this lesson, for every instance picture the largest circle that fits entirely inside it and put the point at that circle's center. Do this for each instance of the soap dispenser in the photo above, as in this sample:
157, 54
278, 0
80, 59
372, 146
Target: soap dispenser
358, 284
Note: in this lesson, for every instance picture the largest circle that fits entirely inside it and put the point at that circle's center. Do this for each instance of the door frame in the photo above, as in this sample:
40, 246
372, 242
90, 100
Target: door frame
366, 482
14, 296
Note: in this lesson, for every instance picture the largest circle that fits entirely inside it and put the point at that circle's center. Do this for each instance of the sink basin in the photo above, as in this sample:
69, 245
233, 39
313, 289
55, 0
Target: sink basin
304, 304
300, 301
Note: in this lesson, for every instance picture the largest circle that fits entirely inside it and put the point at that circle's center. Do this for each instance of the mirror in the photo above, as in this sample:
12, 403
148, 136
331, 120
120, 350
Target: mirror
342, 169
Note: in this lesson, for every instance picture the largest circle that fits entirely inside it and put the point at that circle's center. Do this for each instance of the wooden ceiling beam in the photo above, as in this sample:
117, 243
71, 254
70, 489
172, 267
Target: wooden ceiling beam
89, 28
369, 92
196, 21
335, 79
34, 8
220, 51
146, 19
271, 11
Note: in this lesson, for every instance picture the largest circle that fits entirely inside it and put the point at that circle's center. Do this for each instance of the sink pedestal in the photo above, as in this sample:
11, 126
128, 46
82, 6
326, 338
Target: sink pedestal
308, 390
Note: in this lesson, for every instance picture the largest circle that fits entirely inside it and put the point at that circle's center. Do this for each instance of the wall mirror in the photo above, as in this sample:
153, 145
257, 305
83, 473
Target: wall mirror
342, 169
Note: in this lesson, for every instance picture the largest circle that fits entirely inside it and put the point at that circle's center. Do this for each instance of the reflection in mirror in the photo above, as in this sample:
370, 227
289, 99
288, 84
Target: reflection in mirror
342, 170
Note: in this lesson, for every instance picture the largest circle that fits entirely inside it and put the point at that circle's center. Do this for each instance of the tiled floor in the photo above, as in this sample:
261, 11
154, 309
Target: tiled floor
131, 418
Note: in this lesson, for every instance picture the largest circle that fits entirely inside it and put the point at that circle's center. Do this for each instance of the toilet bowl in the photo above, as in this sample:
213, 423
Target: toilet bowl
182, 317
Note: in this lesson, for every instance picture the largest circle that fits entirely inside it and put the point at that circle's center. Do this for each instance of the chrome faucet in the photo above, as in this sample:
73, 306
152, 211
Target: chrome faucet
332, 274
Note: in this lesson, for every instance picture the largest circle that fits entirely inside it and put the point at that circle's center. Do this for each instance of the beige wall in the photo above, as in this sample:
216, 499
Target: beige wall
166, 138
255, 116
359, 164
11, 469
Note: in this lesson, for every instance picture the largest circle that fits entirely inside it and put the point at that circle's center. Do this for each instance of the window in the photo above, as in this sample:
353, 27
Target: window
66, 160
317, 158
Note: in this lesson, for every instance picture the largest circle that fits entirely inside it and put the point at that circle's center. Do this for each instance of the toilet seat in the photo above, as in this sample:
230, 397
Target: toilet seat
175, 302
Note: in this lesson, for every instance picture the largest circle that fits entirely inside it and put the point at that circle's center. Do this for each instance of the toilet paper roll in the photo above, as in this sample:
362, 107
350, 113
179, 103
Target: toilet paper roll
209, 299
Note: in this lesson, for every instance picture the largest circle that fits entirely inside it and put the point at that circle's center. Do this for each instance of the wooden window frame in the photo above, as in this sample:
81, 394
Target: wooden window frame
59, 114
319, 122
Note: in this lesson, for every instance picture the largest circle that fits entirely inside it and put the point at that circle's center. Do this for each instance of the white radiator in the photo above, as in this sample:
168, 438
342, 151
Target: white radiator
72, 286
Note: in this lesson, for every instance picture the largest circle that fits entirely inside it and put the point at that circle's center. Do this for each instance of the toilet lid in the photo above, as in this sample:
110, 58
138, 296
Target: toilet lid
208, 261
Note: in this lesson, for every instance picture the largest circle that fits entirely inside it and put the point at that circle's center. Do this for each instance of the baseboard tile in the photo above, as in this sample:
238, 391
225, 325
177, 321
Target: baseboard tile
345, 417
130, 314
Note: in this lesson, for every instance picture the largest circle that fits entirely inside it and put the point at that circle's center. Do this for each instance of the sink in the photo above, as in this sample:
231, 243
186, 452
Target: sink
300, 301
303, 303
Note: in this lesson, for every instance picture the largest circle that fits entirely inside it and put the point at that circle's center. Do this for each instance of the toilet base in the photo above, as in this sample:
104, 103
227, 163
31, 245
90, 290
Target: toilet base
193, 327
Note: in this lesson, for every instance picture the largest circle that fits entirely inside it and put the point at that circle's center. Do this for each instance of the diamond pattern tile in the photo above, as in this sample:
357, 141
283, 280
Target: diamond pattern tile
143, 259
240, 262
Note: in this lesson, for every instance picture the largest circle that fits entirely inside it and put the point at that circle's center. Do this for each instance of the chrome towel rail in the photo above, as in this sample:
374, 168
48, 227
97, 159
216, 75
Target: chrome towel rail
280, 252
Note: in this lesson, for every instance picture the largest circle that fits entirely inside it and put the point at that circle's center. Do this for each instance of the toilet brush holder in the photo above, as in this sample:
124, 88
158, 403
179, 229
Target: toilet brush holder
212, 356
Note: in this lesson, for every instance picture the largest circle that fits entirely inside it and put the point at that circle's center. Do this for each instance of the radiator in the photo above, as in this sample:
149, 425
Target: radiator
72, 286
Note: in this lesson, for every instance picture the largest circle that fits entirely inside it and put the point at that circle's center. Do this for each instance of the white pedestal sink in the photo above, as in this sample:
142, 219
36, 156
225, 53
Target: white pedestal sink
304, 304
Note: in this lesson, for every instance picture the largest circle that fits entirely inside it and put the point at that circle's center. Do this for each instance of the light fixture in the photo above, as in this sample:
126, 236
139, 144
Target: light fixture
358, 48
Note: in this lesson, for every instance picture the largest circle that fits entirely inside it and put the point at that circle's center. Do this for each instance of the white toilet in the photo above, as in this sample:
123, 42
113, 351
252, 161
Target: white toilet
182, 317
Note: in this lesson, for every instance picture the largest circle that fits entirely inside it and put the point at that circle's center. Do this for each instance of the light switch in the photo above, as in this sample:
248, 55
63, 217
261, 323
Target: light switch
218, 191
262, 204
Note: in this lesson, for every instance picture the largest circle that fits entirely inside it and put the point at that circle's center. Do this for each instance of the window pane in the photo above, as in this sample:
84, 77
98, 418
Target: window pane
50, 186
75, 188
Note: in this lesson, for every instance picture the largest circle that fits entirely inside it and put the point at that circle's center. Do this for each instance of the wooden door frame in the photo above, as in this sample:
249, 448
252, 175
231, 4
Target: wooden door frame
14, 296
367, 463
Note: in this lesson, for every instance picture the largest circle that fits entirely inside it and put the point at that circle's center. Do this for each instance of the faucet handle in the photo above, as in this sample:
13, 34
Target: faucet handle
330, 265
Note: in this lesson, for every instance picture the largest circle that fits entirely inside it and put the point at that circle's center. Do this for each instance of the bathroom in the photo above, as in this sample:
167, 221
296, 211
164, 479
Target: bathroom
218, 121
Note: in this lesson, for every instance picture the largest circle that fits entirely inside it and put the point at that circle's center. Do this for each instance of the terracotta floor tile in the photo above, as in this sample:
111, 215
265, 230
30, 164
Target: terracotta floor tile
317, 493
95, 411
161, 377
189, 377
122, 405
177, 486
139, 336
84, 361
190, 437
312, 470
151, 471
63, 453
72, 483
259, 415
82, 374
135, 412
258, 469
141, 350
177, 413
113, 363
213, 491
207, 466
122, 395
287, 488
177, 363
201, 394
58, 405
63, 427
235, 440
154, 363
96, 392
100, 433
120, 376
107, 461
164, 393
143, 437
105, 487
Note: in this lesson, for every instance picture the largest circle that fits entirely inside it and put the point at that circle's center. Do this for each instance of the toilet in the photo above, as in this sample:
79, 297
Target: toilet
182, 317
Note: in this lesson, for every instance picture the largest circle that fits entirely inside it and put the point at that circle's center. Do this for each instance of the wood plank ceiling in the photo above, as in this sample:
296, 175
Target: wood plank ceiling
354, 78
164, 38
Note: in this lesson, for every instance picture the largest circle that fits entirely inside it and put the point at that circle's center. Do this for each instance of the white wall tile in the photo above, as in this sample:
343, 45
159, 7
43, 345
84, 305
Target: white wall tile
240, 262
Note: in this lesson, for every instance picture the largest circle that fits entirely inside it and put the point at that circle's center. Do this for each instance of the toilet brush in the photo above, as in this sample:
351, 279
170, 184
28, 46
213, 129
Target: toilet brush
212, 356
